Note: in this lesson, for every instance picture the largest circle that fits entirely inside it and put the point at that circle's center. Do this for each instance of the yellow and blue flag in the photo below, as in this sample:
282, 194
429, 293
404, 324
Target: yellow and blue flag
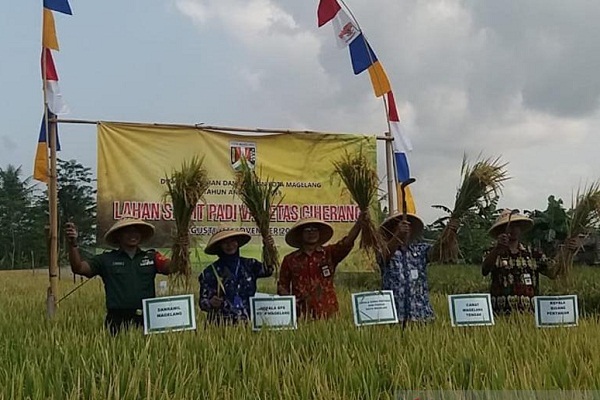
49, 39
61, 6
40, 166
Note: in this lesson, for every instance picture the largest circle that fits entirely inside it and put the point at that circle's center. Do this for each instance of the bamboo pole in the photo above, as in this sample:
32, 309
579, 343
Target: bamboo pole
53, 205
202, 127
387, 138
52, 292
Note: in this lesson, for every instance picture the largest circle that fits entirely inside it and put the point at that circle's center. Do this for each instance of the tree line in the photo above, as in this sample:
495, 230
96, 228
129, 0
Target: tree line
24, 220
549, 230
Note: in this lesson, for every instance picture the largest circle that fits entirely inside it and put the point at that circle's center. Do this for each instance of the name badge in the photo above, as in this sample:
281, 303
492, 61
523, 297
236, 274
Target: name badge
527, 279
326, 271
414, 274
146, 262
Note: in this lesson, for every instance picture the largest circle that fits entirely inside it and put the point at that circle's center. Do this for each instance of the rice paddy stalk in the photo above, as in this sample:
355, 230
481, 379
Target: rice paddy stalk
481, 182
584, 218
361, 181
261, 197
185, 188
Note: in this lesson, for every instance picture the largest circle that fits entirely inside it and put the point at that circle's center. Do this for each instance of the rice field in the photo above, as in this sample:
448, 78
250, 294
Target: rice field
72, 357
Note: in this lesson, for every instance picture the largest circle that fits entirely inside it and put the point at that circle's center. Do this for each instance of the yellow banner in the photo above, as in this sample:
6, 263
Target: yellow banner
134, 159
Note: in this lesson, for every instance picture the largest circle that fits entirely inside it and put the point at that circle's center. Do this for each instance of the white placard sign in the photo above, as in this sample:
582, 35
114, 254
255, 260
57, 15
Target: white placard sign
273, 312
171, 313
471, 309
374, 308
551, 311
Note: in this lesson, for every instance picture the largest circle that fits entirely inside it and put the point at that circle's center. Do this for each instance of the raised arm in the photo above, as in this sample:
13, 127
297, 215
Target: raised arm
350, 238
549, 267
78, 266
262, 270
162, 263
259, 269
397, 239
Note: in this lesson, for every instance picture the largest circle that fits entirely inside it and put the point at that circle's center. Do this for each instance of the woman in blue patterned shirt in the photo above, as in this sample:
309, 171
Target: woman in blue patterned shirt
227, 284
403, 266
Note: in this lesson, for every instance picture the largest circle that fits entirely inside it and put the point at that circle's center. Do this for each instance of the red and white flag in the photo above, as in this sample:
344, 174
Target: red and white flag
54, 99
401, 141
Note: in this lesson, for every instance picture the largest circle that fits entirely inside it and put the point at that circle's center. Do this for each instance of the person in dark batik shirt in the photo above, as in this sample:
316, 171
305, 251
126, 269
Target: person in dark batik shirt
403, 265
227, 284
515, 269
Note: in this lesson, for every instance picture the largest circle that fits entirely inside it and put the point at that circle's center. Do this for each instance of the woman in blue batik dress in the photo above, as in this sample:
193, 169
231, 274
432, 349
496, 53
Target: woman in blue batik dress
403, 266
227, 284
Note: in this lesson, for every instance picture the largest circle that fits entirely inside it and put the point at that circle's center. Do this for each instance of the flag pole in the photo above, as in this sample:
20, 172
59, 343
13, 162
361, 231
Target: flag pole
52, 292
53, 211
389, 147
389, 161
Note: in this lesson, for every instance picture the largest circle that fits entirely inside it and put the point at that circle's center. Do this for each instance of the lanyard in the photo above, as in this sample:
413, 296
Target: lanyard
235, 274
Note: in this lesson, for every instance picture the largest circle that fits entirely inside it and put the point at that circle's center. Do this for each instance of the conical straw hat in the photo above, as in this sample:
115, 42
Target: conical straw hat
213, 244
416, 224
294, 235
146, 229
504, 218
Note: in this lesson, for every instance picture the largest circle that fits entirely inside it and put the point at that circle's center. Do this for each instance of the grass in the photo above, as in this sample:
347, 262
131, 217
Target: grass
72, 357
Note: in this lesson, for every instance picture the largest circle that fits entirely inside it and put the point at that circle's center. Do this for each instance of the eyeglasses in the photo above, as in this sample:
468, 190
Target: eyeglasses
310, 229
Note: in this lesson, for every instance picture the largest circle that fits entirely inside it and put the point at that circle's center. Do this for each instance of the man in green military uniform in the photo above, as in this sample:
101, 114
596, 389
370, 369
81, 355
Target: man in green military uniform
128, 273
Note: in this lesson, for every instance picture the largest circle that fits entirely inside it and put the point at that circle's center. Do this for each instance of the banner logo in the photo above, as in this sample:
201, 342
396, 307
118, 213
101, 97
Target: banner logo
246, 150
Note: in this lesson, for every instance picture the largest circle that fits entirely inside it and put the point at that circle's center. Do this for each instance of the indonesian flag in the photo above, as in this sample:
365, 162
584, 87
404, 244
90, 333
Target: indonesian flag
401, 141
54, 98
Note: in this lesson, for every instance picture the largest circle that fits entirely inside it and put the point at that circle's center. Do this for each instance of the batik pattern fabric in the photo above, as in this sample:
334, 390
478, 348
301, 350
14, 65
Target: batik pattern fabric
405, 274
309, 277
516, 279
234, 285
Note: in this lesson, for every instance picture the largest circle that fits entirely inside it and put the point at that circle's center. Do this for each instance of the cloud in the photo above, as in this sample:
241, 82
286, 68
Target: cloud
511, 78
8, 143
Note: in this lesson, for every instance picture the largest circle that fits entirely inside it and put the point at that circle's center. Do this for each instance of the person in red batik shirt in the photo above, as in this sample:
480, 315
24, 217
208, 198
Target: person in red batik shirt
307, 273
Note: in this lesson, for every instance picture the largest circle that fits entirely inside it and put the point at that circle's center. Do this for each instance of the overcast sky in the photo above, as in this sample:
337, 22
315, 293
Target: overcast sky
517, 78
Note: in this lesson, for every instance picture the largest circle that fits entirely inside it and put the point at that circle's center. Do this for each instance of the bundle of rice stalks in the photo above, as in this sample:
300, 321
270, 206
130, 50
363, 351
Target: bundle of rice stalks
584, 218
185, 188
261, 197
481, 182
361, 181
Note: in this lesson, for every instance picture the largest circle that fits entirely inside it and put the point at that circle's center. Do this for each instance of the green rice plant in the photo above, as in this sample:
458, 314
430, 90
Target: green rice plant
583, 219
481, 182
185, 188
261, 197
361, 181
72, 356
